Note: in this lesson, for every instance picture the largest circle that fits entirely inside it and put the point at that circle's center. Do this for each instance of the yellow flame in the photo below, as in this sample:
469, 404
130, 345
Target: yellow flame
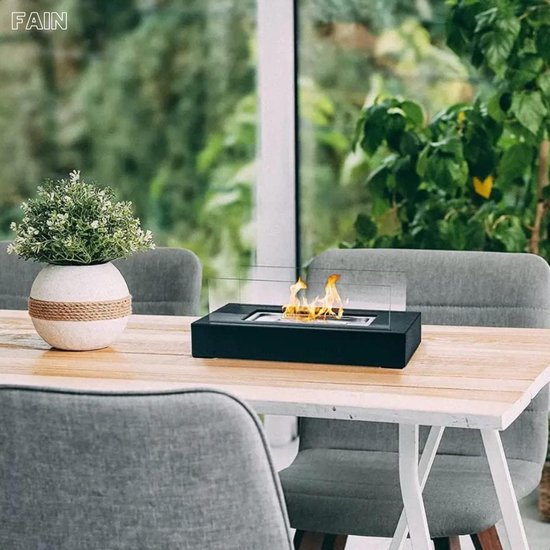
319, 308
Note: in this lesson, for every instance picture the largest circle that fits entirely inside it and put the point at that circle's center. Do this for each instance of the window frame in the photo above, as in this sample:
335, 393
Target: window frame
277, 204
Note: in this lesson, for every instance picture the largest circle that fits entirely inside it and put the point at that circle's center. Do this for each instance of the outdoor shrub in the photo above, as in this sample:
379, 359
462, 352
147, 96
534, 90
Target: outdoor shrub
476, 175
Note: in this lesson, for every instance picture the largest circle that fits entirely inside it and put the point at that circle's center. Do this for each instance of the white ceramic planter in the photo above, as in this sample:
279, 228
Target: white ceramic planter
80, 307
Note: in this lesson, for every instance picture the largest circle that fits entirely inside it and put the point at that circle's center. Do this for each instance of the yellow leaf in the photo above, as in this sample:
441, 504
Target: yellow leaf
461, 117
484, 187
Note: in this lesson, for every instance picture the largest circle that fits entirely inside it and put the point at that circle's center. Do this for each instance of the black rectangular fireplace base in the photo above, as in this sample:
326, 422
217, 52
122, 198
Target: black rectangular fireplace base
364, 338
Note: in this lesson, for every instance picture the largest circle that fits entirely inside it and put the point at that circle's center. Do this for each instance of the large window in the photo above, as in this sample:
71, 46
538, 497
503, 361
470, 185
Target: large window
156, 98
188, 109
349, 53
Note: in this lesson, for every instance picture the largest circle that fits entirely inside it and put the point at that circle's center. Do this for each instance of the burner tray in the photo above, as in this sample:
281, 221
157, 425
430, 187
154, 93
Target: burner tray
277, 317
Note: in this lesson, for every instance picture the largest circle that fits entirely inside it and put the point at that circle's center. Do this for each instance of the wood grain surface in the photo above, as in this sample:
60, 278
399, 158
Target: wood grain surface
474, 377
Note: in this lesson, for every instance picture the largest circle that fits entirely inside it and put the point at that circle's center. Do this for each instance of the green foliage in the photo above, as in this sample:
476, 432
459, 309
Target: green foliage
376, 14
225, 210
71, 222
156, 100
529, 108
355, 52
510, 41
466, 179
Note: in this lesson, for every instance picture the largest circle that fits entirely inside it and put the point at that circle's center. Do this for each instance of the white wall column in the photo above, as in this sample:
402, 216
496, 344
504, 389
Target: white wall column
276, 186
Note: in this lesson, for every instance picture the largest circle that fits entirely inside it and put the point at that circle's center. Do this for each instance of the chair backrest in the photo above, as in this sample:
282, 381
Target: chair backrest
188, 469
452, 288
16, 278
164, 281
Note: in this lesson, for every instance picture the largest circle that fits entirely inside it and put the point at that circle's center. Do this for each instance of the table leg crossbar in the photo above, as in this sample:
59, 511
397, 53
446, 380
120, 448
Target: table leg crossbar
414, 474
424, 467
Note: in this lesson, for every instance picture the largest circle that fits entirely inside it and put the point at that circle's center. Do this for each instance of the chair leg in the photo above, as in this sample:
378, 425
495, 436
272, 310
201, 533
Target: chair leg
447, 543
487, 540
306, 540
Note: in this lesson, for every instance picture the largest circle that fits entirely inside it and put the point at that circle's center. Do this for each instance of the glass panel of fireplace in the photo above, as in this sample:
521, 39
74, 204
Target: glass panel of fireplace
270, 285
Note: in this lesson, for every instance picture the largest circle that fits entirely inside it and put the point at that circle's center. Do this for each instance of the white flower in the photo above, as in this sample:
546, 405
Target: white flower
74, 176
94, 224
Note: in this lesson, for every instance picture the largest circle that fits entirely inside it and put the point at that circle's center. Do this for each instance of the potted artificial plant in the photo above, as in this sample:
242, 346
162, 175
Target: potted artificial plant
79, 301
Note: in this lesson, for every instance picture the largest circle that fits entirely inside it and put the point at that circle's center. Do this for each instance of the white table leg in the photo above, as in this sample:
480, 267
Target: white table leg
503, 536
504, 489
424, 467
410, 487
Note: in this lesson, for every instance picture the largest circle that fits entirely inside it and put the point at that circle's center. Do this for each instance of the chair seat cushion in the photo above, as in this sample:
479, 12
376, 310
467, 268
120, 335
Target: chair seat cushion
358, 493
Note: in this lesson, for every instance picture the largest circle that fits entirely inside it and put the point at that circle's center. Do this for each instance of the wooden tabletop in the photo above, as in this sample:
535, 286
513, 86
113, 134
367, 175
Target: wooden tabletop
460, 376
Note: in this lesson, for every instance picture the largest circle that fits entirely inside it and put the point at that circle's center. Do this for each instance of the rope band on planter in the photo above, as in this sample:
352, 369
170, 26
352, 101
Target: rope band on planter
80, 311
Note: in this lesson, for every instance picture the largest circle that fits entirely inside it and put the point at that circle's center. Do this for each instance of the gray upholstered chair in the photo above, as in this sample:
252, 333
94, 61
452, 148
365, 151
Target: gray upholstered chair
16, 278
345, 477
164, 281
181, 470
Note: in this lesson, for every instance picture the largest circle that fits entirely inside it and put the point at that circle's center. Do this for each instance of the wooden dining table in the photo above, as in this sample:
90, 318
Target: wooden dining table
470, 377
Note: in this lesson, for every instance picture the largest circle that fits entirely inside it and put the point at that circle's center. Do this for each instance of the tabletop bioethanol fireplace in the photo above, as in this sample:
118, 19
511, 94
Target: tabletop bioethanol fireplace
323, 329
